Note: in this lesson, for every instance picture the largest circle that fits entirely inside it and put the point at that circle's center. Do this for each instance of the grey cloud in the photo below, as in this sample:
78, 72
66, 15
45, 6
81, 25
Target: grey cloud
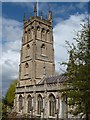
9, 73
10, 52
62, 31
65, 30
10, 30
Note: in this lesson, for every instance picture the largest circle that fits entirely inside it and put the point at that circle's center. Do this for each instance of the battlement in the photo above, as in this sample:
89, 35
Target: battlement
37, 19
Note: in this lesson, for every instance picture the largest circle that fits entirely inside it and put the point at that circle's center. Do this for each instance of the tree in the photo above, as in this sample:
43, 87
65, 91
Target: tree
4, 109
8, 100
9, 97
78, 74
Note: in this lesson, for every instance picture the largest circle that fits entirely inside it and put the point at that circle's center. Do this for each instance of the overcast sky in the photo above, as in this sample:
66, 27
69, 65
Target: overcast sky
67, 18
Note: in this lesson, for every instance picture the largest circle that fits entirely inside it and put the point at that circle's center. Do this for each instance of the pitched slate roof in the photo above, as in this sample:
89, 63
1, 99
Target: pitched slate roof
54, 79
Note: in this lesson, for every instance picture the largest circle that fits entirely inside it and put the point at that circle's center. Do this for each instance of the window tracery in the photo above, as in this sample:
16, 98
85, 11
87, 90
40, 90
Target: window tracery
38, 32
40, 104
43, 49
29, 34
29, 99
43, 33
20, 103
25, 36
52, 105
48, 35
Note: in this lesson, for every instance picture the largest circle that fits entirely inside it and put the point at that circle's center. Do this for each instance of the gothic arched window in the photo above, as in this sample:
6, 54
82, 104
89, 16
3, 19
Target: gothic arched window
43, 34
29, 35
20, 103
26, 65
32, 31
38, 32
52, 105
28, 46
38, 28
40, 104
48, 35
43, 49
29, 100
25, 36
26, 70
27, 50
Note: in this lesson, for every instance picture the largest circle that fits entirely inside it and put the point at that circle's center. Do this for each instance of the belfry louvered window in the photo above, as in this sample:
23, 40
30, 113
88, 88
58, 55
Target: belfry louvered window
38, 32
48, 35
43, 33
27, 50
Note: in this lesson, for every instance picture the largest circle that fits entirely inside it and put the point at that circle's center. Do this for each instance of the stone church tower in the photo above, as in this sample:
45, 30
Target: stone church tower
38, 90
37, 52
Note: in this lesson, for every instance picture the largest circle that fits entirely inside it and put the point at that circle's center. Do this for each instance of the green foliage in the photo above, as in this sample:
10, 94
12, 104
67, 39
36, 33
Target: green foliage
8, 100
4, 109
0, 108
11, 94
78, 73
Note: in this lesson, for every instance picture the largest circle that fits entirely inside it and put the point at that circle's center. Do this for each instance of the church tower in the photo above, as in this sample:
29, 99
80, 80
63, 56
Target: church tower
37, 52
